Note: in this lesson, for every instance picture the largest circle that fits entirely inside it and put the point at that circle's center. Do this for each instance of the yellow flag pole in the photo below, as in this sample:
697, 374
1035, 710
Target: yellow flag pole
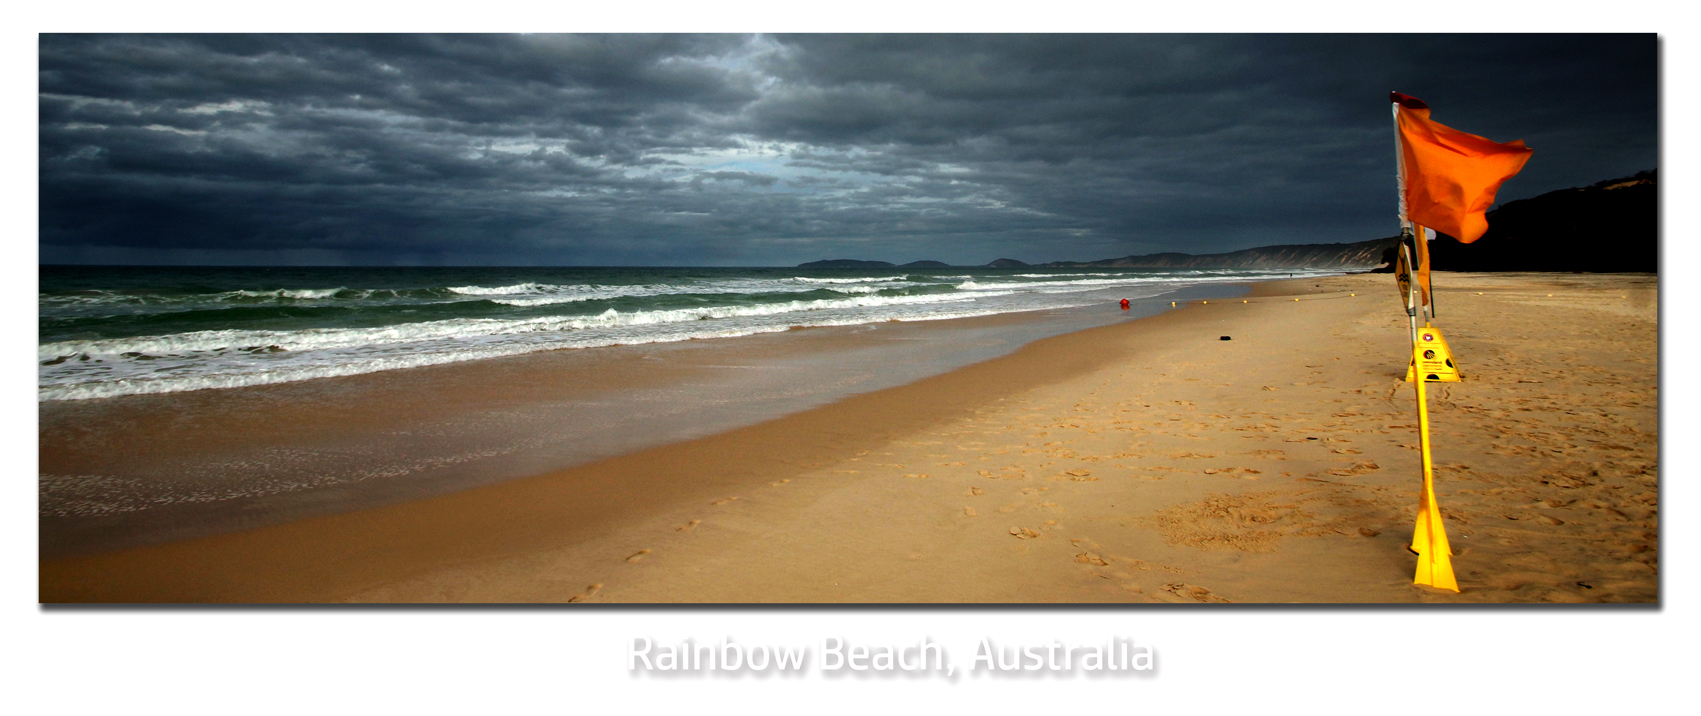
1420, 271
1403, 276
1429, 539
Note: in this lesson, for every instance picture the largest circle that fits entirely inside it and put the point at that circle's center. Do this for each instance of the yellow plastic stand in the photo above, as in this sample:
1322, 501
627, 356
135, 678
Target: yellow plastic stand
1429, 540
1434, 356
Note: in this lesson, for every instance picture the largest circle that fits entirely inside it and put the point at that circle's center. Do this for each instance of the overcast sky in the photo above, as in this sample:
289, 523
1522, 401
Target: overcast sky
728, 150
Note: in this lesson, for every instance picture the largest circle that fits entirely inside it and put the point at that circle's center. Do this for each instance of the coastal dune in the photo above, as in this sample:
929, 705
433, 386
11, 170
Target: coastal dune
1148, 461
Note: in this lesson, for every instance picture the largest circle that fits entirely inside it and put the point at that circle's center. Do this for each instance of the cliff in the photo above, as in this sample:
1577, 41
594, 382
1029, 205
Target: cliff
1609, 227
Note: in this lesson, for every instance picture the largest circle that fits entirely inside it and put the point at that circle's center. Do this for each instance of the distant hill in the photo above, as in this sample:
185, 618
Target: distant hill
1361, 255
1609, 227
846, 263
925, 264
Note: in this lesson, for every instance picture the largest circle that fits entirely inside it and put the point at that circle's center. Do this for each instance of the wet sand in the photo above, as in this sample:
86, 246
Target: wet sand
146, 469
1147, 461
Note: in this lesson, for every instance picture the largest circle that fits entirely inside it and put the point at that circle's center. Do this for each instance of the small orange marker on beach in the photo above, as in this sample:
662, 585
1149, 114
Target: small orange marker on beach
1124, 304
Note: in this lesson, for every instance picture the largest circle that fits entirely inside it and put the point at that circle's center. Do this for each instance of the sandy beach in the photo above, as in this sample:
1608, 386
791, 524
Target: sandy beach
1147, 461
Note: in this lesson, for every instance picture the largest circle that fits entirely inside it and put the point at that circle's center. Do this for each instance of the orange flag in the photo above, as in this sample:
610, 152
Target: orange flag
1450, 176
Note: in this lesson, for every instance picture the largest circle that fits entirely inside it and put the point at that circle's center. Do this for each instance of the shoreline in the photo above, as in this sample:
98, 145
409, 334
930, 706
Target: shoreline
148, 469
546, 538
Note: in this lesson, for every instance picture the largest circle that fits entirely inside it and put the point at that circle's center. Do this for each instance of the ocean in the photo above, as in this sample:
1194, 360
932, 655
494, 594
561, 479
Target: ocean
115, 331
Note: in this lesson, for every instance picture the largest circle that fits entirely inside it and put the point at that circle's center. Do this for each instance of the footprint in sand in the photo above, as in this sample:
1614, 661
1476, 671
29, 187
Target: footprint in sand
1090, 558
638, 556
777, 484
1190, 592
969, 511
688, 525
589, 592
723, 501
1024, 533
975, 491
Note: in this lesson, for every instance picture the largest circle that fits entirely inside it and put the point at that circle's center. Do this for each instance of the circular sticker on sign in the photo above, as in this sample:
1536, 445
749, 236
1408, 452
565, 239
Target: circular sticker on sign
1429, 355
1429, 337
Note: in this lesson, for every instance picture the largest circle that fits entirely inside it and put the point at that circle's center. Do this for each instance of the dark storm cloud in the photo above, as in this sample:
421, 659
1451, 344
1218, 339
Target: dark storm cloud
619, 149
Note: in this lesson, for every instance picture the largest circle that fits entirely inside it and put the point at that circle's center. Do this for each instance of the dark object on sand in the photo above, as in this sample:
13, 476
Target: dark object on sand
1224, 338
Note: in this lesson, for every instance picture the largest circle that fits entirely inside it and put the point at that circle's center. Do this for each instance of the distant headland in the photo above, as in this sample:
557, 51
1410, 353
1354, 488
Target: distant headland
1363, 254
1610, 226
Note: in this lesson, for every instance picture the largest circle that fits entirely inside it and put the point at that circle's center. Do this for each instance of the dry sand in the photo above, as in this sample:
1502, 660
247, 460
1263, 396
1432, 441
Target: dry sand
1143, 462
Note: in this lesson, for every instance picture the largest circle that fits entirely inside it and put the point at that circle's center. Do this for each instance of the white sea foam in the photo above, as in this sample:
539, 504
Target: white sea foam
509, 290
575, 294
243, 356
1084, 284
331, 338
240, 369
1067, 275
1069, 285
106, 303
300, 294
876, 279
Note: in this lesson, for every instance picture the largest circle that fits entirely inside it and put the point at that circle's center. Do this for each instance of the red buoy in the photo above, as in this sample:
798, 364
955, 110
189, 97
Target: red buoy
1124, 304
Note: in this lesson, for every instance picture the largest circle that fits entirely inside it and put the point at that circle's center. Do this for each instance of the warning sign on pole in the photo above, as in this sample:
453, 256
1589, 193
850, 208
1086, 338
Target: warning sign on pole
1436, 360
1403, 277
